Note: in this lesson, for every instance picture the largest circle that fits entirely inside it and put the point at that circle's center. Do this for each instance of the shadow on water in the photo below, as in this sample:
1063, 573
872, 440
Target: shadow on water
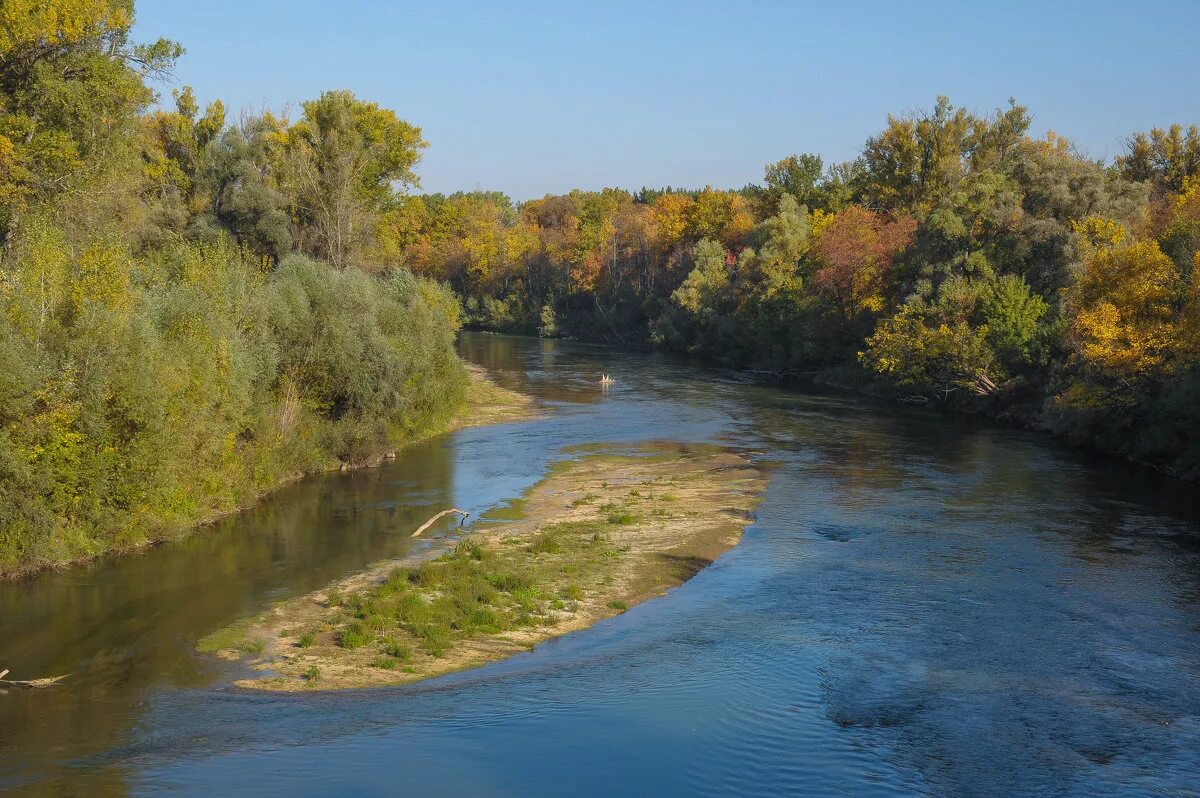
924, 605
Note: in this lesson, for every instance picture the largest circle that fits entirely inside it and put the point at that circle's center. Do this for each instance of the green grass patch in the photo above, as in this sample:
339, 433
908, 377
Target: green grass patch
396, 649
354, 636
231, 637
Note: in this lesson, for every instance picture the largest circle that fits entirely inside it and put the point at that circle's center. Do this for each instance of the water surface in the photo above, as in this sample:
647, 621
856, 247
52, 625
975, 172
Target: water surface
925, 605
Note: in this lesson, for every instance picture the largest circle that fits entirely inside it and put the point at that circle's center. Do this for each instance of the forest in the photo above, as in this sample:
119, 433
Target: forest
196, 308
958, 262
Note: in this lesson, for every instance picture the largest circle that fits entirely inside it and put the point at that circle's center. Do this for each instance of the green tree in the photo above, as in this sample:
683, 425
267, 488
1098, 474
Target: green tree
938, 359
343, 163
71, 86
1012, 314
245, 197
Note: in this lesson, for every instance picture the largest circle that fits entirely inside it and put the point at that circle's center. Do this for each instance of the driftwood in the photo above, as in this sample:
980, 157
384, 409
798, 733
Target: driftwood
443, 513
984, 386
32, 684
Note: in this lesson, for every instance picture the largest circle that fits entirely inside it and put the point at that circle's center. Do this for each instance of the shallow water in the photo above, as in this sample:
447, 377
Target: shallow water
925, 605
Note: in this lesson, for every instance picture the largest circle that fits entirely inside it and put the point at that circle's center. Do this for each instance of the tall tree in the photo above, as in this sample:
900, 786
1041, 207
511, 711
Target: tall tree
344, 162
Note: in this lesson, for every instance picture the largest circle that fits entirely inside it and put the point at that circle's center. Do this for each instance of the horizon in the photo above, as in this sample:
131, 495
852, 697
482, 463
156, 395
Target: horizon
522, 99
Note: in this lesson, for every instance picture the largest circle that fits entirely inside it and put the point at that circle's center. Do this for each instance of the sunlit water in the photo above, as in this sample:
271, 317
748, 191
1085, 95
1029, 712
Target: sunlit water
925, 605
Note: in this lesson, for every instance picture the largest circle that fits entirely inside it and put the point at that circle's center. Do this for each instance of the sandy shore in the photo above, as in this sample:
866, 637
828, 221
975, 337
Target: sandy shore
605, 530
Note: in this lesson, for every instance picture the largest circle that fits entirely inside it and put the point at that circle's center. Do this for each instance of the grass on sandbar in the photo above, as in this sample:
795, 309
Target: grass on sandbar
473, 590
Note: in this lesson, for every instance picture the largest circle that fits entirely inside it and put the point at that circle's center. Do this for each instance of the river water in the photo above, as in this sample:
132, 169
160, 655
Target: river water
925, 605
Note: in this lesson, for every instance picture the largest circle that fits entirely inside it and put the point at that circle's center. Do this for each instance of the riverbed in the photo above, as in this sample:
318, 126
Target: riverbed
924, 605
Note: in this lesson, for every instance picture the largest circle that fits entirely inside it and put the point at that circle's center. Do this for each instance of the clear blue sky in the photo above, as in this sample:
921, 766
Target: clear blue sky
538, 97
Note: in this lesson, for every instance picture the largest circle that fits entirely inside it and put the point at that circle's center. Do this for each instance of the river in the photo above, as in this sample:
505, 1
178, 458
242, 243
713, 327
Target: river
925, 605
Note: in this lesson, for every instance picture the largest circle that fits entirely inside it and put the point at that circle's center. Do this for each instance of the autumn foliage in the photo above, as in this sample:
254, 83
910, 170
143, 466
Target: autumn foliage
855, 250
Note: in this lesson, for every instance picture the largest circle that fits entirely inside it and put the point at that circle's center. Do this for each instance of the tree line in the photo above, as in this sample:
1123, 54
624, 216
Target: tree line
192, 311
957, 261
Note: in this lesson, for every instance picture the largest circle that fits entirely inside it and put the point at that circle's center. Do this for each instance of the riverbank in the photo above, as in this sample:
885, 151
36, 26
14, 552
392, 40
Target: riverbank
484, 402
602, 532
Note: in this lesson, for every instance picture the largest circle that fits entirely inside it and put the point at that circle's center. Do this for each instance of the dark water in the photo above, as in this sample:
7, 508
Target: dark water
925, 605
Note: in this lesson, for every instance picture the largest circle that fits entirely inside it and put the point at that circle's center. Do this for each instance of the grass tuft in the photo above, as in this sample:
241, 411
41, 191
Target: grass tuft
354, 636
545, 543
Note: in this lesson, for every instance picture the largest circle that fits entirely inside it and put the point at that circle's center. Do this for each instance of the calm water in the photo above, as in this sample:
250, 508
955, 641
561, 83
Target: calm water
924, 606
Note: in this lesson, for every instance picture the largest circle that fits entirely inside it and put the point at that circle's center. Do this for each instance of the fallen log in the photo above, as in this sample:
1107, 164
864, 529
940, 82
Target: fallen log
442, 514
32, 684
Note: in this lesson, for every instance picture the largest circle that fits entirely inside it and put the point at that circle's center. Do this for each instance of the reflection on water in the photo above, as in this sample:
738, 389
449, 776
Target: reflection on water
925, 605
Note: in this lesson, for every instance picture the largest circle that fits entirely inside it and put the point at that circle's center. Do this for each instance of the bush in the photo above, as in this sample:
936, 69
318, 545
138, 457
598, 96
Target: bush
354, 636
208, 382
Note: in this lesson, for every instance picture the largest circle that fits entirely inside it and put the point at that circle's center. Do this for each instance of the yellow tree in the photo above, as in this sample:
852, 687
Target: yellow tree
1124, 313
173, 149
720, 215
343, 163
671, 213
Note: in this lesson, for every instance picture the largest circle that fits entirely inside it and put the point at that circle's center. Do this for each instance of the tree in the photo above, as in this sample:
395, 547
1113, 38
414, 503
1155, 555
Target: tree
243, 193
71, 86
770, 268
708, 281
855, 250
1122, 306
940, 358
343, 163
796, 175
1012, 313
1164, 158
721, 215
917, 159
174, 153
